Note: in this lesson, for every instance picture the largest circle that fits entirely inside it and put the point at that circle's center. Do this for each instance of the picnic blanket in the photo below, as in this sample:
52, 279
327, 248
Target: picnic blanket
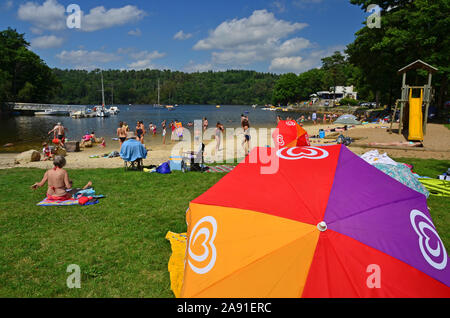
90, 193
220, 168
176, 261
374, 156
403, 174
69, 202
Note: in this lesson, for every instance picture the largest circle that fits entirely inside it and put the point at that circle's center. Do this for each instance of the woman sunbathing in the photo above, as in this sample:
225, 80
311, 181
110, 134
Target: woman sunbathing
58, 181
398, 143
338, 129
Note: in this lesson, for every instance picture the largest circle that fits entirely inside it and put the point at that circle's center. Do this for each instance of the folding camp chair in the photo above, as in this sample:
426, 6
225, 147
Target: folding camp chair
195, 159
137, 164
133, 154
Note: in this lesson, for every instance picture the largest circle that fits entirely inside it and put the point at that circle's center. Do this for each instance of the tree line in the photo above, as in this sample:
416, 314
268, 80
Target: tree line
141, 87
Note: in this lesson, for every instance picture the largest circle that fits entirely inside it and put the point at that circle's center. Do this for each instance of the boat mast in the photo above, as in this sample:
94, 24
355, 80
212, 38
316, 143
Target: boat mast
103, 91
112, 94
158, 91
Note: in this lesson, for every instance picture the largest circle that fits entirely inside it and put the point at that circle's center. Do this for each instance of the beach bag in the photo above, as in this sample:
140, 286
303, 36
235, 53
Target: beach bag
344, 140
163, 168
321, 133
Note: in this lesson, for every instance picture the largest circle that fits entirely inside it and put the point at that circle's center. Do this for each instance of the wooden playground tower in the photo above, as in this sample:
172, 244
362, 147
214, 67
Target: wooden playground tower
417, 121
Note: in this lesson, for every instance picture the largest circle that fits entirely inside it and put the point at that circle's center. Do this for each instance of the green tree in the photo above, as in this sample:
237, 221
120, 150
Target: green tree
410, 30
334, 67
286, 89
24, 74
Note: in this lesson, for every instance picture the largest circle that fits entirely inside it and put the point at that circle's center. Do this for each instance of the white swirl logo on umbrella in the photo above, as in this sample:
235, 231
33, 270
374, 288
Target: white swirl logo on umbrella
423, 226
280, 140
296, 153
291, 123
204, 262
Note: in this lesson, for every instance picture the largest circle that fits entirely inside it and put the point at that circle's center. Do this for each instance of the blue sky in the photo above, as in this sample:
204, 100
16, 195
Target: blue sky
277, 36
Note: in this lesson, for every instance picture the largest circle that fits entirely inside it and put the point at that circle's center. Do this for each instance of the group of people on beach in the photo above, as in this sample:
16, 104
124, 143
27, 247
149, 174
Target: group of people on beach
140, 131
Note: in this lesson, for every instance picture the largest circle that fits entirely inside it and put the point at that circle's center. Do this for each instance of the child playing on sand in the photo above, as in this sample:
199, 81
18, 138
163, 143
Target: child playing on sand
46, 151
103, 144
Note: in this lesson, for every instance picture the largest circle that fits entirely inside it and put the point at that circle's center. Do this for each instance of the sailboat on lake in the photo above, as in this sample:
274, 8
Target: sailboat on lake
101, 110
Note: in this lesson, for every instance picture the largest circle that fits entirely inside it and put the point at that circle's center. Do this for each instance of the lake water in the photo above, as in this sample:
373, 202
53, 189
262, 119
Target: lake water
27, 132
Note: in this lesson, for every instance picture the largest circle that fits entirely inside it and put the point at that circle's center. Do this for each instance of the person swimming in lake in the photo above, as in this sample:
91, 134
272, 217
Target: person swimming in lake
58, 181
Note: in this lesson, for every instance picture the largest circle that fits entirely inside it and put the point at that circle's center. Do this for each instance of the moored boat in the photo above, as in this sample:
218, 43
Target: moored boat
51, 112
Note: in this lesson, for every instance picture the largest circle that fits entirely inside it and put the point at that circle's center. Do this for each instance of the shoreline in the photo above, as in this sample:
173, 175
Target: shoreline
437, 141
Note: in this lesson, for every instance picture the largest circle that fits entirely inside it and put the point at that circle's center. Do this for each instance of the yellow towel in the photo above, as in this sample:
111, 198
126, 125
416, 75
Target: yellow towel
436, 186
176, 261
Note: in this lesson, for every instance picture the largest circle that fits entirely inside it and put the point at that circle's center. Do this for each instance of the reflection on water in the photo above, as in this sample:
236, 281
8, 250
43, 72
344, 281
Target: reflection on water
27, 132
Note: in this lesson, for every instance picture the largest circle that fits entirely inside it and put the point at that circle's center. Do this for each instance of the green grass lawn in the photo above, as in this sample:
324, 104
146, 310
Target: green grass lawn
120, 243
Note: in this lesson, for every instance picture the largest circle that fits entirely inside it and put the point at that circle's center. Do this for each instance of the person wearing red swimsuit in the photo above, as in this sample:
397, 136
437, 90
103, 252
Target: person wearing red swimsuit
58, 181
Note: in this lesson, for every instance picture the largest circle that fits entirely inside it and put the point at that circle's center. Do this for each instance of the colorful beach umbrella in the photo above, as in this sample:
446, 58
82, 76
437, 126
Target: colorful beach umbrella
347, 119
322, 223
290, 134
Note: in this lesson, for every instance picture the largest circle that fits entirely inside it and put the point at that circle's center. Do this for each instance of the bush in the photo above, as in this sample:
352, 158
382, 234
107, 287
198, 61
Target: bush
348, 101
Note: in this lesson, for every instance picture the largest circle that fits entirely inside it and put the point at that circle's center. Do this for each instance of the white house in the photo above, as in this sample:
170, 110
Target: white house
341, 92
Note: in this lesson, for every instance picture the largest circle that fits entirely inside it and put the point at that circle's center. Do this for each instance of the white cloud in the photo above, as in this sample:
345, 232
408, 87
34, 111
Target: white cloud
99, 18
299, 64
293, 46
180, 35
145, 55
141, 65
36, 31
136, 32
51, 15
258, 38
192, 67
260, 52
294, 64
46, 42
48, 16
84, 59
142, 59
260, 28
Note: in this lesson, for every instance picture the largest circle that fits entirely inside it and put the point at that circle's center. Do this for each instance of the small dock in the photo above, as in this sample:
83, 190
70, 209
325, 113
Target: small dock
31, 108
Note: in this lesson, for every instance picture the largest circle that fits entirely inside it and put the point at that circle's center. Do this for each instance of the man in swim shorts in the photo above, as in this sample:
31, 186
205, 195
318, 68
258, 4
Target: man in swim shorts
59, 131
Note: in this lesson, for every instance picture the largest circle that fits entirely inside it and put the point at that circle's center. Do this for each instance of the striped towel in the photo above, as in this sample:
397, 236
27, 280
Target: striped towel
220, 168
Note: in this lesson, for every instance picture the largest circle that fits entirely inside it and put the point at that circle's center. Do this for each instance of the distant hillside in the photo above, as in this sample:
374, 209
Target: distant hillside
140, 87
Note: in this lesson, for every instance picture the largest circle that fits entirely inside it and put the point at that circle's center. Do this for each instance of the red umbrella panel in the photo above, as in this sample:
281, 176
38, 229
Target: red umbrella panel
290, 134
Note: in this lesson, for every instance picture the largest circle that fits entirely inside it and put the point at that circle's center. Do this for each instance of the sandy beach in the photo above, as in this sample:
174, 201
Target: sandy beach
436, 145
